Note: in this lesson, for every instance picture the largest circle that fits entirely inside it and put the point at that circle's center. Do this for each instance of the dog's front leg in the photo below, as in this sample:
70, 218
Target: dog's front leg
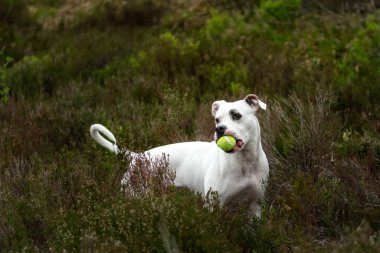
255, 209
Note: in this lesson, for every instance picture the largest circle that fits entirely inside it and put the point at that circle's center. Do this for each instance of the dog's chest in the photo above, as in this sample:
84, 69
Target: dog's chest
239, 189
239, 185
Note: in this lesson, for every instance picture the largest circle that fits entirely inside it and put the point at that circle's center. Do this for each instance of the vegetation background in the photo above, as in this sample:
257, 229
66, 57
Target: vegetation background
149, 71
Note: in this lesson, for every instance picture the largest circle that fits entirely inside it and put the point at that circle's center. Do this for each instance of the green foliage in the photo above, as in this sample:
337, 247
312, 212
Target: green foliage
228, 76
360, 240
299, 124
14, 12
355, 144
42, 13
4, 85
149, 71
141, 225
217, 24
279, 10
359, 67
118, 12
31, 75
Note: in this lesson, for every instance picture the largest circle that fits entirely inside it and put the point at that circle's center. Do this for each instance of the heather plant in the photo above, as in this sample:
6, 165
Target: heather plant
149, 71
14, 12
301, 124
279, 11
359, 68
30, 75
318, 194
149, 176
336, 6
4, 85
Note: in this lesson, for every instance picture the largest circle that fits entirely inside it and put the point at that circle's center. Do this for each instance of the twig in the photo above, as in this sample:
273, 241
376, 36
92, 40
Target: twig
374, 205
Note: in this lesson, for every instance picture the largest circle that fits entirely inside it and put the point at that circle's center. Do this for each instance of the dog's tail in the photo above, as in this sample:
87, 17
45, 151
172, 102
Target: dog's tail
96, 130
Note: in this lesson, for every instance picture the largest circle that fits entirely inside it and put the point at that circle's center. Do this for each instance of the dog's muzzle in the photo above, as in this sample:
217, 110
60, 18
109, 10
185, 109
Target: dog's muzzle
219, 131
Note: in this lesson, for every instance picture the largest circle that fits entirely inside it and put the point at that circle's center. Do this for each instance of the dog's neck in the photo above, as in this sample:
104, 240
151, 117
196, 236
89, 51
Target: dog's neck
253, 148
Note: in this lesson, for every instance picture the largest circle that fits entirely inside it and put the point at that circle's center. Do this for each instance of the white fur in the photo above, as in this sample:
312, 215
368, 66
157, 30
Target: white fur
203, 166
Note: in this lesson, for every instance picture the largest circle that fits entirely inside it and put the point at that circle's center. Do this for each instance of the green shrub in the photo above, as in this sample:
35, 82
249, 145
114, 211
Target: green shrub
362, 239
14, 12
4, 85
217, 24
228, 77
30, 76
119, 12
84, 210
279, 10
359, 69
149, 71
298, 124
337, 6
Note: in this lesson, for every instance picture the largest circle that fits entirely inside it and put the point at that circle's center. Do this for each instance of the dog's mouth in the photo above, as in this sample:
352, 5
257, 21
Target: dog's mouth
239, 145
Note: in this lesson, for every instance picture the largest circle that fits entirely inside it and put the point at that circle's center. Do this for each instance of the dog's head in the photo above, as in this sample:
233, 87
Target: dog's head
237, 119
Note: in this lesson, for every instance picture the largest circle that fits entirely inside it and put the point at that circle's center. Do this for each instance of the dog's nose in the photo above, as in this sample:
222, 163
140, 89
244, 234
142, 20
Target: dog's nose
220, 129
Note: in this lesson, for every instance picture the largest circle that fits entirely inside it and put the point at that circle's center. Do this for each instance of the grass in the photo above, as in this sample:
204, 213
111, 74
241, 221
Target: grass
149, 71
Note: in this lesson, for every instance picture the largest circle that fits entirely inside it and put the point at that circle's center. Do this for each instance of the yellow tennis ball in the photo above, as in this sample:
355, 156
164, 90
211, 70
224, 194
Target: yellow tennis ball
226, 143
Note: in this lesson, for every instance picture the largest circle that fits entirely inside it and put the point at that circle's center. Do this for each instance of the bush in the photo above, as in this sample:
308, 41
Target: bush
149, 71
279, 10
299, 123
101, 13
31, 76
4, 85
14, 12
359, 69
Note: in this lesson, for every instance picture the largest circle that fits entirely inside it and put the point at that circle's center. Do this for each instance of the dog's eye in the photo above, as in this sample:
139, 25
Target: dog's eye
217, 120
236, 116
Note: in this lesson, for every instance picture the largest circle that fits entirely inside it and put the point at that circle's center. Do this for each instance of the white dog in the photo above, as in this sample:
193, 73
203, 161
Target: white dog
237, 176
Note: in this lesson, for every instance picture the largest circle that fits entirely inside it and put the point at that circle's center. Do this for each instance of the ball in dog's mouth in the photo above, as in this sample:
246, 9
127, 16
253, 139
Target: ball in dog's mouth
239, 144
226, 143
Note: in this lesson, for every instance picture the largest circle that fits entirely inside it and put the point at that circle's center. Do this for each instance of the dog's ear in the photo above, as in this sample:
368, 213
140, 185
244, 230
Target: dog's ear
253, 101
215, 106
